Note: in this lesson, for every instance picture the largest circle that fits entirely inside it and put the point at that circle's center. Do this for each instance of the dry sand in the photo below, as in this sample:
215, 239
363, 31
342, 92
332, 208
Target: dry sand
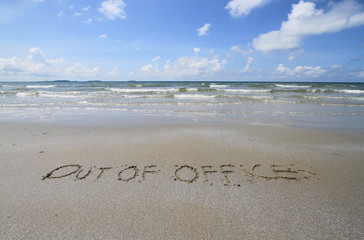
180, 181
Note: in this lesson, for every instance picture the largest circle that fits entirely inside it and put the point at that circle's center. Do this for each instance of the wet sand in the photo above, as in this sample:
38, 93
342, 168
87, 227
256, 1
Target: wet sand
180, 181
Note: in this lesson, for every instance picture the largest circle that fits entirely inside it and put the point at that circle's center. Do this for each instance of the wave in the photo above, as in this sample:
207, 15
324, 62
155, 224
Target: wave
70, 94
131, 96
323, 91
41, 86
214, 85
247, 90
351, 91
193, 96
137, 85
142, 90
290, 90
5, 93
180, 96
206, 90
292, 86
192, 89
27, 94
6, 86
245, 97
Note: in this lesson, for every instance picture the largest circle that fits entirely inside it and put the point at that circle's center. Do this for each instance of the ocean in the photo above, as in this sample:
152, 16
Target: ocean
315, 104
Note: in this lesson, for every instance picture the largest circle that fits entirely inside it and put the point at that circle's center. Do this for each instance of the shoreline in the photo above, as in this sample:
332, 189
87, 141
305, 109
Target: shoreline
180, 180
325, 106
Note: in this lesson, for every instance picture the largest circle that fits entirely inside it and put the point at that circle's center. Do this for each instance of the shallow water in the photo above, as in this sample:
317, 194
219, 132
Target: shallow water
323, 105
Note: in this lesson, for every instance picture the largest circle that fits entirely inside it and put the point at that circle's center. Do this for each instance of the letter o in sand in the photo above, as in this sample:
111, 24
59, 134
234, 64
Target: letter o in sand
65, 173
128, 177
189, 173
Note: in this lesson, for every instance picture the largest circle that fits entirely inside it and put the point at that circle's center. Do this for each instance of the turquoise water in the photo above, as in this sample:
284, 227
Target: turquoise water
298, 101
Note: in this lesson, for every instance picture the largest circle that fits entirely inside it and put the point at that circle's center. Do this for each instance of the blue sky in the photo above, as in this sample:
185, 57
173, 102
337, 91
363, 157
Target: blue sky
258, 40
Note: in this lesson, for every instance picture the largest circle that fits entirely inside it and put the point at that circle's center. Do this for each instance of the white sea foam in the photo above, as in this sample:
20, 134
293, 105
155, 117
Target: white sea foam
352, 91
26, 94
214, 85
142, 90
261, 97
292, 86
193, 96
83, 102
344, 97
142, 96
192, 89
181, 97
70, 94
41, 86
247, 90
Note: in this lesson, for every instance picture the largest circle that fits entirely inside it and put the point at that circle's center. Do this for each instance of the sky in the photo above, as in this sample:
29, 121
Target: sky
218, 40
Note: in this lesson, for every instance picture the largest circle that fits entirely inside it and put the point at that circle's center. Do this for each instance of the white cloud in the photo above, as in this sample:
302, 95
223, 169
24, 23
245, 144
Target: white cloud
307, 71
203, 30
113, 9
156, 58
103, 36
310, 71
305, 20
194, 66
292, 55
235, 49
238, 8
149, 71
282, 70
60, 14
360, 75
196, 50
36, 55
114, 72
336, 66
183, 67
240, 50
81, 71
37, 64
85, 9
248, 63
149, 68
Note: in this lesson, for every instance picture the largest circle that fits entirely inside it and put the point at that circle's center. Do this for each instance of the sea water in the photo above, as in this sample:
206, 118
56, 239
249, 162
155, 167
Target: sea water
316, 104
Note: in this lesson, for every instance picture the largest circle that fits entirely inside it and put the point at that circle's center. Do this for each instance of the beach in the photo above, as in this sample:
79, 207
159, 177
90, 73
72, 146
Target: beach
181, 160
181, 120
180, 180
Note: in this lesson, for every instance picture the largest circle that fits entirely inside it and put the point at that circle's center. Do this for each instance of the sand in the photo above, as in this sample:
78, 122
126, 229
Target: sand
180, 181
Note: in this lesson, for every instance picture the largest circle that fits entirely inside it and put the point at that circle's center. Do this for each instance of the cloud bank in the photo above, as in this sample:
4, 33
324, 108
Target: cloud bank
298, 71
37, 64
305, 20
184, 67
